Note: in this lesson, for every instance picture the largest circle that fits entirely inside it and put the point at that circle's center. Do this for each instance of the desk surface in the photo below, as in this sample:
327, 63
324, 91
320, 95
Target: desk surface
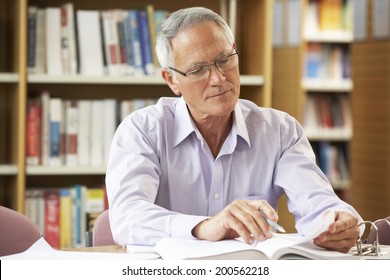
102, 249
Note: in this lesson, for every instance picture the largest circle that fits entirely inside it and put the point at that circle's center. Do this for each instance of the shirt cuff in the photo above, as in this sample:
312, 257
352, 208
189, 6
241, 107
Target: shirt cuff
182, 225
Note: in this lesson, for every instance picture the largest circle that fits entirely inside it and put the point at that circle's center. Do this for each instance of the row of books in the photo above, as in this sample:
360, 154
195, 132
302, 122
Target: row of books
329, 15
333, 161
62, 132
327, 115
64, 215
65, 41
327, 61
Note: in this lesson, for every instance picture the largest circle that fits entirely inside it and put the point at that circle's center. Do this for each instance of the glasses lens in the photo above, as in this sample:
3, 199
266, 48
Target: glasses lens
199, 73
228, 62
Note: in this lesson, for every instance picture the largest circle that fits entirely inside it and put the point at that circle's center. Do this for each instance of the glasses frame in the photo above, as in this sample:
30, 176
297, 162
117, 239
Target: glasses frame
215, 63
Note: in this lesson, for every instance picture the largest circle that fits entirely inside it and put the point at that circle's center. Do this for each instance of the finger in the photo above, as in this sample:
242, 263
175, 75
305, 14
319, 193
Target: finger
241, 223
337, 245
344, 220
263, 206
250, 221
258, 225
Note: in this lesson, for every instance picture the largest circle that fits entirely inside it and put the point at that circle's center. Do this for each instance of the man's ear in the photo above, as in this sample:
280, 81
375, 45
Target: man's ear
167, 76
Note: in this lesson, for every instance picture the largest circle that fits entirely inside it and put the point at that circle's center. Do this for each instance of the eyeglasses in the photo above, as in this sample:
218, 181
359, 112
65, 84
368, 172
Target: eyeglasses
223, 64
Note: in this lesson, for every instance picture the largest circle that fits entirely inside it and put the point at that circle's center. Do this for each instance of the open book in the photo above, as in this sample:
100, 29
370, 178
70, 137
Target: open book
281, 246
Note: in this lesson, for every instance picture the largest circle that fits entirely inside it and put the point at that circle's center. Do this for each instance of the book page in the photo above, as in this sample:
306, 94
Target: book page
179, 249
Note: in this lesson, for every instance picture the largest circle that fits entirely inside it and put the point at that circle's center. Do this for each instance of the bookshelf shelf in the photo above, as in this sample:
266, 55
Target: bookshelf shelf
329, 135
246, 80
66, 170
9, 78
333, 37
325, 85
8, 169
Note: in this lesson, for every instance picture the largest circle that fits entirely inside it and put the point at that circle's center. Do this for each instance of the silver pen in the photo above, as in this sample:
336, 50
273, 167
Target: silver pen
273, 224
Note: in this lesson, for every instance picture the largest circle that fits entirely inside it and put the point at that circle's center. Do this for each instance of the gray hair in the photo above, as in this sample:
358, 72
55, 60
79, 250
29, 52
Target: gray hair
181, 20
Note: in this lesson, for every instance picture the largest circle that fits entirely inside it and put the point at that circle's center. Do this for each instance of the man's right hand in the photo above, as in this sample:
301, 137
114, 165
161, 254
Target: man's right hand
241, 218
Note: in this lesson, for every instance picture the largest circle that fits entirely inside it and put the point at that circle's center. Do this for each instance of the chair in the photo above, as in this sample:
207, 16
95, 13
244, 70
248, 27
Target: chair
101, 232
17, 232
383, 226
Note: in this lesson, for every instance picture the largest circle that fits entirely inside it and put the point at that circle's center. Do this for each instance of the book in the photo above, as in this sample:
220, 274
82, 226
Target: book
31, 38
111, 42
33, 131
94, 205
280, 246
40, 42
71, 130
53, 41
146, 44
68, 40
65, 218
55, 123
90, 43
84, 133
97, 133
135, 42
45, 128
52, 218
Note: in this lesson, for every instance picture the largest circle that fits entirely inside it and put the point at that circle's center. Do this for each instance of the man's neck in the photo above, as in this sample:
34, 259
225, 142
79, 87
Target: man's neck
215, 131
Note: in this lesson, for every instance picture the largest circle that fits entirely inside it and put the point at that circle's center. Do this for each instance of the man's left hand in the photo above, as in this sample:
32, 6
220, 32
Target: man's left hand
341, 235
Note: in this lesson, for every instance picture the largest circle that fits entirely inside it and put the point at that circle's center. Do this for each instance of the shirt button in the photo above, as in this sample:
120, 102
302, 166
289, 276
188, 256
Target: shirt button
216, 196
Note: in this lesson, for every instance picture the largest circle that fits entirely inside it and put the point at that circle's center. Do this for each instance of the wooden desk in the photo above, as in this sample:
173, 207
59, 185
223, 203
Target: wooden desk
102, 249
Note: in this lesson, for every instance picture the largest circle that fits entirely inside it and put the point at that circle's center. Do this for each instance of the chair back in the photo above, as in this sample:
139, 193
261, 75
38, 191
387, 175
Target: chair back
383, 226
17, 232
101, 233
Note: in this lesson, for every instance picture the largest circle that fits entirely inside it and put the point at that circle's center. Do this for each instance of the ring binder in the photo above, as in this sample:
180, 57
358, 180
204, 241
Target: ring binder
374, 249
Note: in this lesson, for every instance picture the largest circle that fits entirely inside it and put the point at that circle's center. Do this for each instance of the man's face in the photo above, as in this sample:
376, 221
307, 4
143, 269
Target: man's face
216, 94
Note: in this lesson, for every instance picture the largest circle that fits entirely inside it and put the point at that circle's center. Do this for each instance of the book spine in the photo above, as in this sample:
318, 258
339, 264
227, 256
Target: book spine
94, 206
65, 218
146, 49
33, 132
53, 41
90, 43
45, 128
52, 220
55, 131
96, 153
152, 33
70, 63
84, 132
136, 43
111, 43
41, 42
121, 41
72, 123
31, 38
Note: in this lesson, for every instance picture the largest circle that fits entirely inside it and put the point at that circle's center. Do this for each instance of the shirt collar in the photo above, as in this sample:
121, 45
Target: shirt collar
184, 124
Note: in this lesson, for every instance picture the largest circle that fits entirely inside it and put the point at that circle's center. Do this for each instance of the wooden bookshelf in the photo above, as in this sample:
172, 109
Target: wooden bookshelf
253, 36
12, 102
370, 149
291, 88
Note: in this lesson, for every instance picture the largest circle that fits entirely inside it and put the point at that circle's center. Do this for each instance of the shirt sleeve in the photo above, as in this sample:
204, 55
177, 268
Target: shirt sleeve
132, 181
309, 192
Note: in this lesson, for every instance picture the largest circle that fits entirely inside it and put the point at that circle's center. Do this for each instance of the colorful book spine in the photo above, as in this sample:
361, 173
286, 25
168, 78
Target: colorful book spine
33, 132
52, 218
146, 47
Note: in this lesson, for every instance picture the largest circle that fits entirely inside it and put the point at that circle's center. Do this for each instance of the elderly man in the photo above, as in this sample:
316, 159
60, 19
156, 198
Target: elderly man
207, 164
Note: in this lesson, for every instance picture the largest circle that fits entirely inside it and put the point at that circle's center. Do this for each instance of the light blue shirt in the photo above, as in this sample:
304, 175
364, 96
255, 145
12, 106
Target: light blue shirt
162, 178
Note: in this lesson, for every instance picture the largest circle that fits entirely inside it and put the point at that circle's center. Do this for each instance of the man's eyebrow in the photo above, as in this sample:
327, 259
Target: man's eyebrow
203, 63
